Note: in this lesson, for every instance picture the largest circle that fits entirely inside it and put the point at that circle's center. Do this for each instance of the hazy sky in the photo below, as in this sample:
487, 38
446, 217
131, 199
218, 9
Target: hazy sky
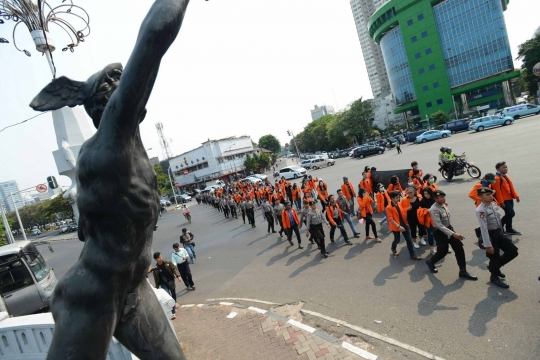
238, 67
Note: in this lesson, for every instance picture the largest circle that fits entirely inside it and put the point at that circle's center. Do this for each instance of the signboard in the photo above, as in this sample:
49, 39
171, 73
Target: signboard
536, 69
41, 188
298, 142
186, 172
286, 145
484, 94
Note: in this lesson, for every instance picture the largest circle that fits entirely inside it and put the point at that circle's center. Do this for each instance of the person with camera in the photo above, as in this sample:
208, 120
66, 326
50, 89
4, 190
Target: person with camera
164, 273
187, 240
180, 258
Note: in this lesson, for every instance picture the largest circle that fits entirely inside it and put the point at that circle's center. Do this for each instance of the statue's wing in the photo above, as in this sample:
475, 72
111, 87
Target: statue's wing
59, 93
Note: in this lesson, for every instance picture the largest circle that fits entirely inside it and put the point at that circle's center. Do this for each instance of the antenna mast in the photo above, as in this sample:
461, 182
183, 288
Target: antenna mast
163, 142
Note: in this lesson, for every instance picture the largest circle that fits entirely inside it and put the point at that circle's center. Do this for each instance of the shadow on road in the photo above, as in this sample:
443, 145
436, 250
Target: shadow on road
358, 249
259, 239
486, 310
396, 266
432, 297
277, 243
281, 256
316, 261
305, 253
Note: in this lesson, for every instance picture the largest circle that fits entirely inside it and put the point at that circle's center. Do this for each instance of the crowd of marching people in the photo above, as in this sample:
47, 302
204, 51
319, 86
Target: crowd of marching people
416, 211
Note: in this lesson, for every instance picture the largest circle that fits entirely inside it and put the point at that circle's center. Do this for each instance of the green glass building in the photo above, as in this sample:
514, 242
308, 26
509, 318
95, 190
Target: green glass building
445, 55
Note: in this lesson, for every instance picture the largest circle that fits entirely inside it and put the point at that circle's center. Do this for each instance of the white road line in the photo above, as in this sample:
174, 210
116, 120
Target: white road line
375, 335
251, 300
200, 305
232, 315
225, 303
301, 326
360, 352
260, 311
188, 305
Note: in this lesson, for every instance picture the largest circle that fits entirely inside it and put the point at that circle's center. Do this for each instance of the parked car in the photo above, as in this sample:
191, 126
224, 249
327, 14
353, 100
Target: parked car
456, 125
36, 232
183, 198
432, 135
480, 124
165, 202
411, 137
367, 150
73, 227
194, 193
252, 180
63, 229
292, 172
320, 162
351, 153
262, 177
521, 110
306, 164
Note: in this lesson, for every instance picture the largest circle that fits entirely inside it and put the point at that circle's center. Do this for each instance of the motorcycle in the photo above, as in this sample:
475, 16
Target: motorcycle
276, 174
187, 215
462, 165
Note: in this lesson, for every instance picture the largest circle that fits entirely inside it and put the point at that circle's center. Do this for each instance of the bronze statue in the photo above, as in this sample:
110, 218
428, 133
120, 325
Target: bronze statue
106, 293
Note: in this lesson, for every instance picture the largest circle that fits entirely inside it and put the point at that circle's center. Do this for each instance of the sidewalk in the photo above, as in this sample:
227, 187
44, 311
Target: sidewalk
231, 331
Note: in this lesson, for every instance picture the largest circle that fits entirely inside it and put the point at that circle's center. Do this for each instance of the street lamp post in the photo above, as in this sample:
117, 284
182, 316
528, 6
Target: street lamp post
290, 133
174, 192
70, 125
9, 235
18, 217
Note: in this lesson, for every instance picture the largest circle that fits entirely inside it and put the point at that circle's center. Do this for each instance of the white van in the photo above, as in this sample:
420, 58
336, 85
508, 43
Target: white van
292, 172
521, 110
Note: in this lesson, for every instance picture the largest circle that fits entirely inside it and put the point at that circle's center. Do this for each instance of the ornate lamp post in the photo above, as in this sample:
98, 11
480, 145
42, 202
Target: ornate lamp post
70, 125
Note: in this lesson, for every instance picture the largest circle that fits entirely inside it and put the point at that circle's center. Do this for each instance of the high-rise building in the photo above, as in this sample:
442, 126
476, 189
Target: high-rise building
320, 111
362, 11
7, 187
449, 55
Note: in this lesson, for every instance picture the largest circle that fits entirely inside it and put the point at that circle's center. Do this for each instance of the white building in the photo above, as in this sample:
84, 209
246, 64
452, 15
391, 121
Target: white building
214, 159
7, 187
378, 78
384, 106
319, 112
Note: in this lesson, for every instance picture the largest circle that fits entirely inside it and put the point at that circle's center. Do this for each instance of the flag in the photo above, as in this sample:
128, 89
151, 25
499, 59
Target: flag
383, 177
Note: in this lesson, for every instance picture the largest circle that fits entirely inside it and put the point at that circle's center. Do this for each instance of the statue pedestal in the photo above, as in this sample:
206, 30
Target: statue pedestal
72, 130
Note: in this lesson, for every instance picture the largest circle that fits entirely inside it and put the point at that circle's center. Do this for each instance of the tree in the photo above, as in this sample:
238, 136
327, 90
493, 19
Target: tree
440, 118
252, 162
336, 139
529, 52
264, 161
163, 181
357, 119
270, 142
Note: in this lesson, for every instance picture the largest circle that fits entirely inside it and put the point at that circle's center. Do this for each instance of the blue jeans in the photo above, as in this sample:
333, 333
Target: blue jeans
384, 219
430, 239
298, 203
191, 251
509, 213
407, 236
348, 219
170, 288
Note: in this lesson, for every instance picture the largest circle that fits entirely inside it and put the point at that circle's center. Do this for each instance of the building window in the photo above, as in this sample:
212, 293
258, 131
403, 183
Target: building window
421, 71
409, 22
439, 101
436, 84
425, 88
424, 34
429, 104
417, 55
413, 39
420, 17
432, 67
428, 51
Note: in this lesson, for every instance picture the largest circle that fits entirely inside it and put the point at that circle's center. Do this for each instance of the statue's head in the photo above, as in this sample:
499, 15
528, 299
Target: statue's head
94, 93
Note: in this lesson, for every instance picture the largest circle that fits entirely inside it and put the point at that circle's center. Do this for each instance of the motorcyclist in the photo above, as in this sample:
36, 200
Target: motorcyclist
450, 162
442, 155
186, 212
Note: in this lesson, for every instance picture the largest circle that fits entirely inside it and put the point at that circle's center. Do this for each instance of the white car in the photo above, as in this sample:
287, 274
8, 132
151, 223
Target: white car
306, 164
292, 172
321, 162
351, 153
251, 179
260, 176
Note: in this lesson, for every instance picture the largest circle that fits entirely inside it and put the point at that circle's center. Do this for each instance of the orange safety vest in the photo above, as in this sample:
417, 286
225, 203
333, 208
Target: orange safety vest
365, 204
504, 188
330, 214
295, 193
348, 194
391, 188
380, 200
392, 214
366, 184
285, 218
323, 194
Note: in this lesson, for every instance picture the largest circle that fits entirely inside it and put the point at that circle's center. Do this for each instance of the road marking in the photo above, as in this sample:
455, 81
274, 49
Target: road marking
188, 305
375, 335
225, 303
309, 329
232, 315
260, 311
361, 352
251, 300
200, 305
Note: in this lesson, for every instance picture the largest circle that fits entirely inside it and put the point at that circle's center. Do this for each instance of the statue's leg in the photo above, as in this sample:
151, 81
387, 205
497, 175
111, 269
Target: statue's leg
146, 331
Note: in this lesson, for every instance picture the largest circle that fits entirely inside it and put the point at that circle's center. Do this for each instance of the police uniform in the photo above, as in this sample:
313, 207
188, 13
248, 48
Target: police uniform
225, 206
314, 221
232, 206
278, 209
268, 215
443, 233
242, 206
250, 212
303, 220
493, 236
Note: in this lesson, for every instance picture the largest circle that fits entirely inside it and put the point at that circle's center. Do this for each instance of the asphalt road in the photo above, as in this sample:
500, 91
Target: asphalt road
440, 313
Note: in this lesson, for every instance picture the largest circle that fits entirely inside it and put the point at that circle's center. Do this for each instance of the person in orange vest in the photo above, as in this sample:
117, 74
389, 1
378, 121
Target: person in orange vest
365, 211
397, 222
411, 203
505, 195
334, 215
322, 192
366, 183
383, 200
290, 221
431, 181
424, 217
414, 166
395, 185
348, 191
296, 196
487, 181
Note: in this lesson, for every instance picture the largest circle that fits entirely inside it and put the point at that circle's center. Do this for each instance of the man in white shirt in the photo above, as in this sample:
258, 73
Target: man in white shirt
180, 258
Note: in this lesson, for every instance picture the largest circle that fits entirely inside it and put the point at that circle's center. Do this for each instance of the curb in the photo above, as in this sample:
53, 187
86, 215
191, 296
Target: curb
291, 338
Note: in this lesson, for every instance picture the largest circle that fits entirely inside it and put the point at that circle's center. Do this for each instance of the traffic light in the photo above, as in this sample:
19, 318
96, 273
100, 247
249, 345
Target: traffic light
52, 182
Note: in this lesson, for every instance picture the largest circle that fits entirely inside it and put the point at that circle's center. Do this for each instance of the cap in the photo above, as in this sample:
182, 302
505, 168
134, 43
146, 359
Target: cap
345, 178
484, 190
438, 193
320, 179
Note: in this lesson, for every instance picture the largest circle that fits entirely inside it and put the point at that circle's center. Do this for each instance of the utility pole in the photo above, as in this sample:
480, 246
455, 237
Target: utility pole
290, 133
18, 217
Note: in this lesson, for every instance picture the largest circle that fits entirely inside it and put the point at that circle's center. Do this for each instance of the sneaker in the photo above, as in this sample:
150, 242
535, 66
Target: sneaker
357, 235
193, 288
423, 242
300, 247
416, 246
513, 232
290, 242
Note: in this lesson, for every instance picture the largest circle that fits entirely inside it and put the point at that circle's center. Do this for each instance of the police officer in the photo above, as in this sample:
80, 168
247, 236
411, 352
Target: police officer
232, 206
268, 215
445, 235
315, 219
242, 206
303, 218
278, 209
494, 238
450, 162
250, 212
225, 206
